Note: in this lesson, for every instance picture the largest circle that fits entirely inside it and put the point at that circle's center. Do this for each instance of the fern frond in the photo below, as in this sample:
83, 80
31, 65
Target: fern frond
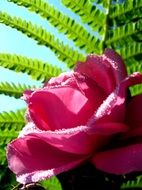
43, 37
133, 184
13, 121
133, 65
135, 90
124, 31
14, 90
131, 50
89, 13
33, 67
2, 155
121, 9
10, 125
76, 32
51, 184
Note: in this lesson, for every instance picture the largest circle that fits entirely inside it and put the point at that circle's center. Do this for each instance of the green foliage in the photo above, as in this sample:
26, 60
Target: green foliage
63, 23
118, 25
128, 6
131, 51
89, 13
134, 66
7, 179
133, 184
51, 184
34, 67
124, 31
103, 23
43, 37
135, 90
13, 121
13, 89
10, 125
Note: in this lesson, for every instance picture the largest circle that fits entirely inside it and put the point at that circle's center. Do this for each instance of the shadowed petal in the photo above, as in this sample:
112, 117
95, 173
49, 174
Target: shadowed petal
121, 160
78, 140
107, 128
74, 140
134, 119
114, 107
134, 111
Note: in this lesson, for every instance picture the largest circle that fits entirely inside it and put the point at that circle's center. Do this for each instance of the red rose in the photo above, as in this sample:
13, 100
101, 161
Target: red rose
81, 115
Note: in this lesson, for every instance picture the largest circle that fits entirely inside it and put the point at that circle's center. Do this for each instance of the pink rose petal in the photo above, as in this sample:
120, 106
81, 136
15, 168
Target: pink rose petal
69, 108
104, 70
120, 73
114, 107
134, 111
78, 116
59, 80
77, 99
33, 159
78, 140
107, 128
74, 140
120, 160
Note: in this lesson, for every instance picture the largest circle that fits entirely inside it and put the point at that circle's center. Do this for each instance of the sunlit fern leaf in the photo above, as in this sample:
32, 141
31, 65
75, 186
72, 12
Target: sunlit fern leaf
124, 31
11, 89
11, 121
10, 125
134, 184
43, 37
33, 67
51, 184
88, 12
104, 3
82, 38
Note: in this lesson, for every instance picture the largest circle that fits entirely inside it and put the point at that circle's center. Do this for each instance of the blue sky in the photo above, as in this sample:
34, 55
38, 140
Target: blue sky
12, 41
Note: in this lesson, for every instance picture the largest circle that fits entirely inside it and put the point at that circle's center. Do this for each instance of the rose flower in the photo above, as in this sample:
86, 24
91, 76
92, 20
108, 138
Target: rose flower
83, 115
